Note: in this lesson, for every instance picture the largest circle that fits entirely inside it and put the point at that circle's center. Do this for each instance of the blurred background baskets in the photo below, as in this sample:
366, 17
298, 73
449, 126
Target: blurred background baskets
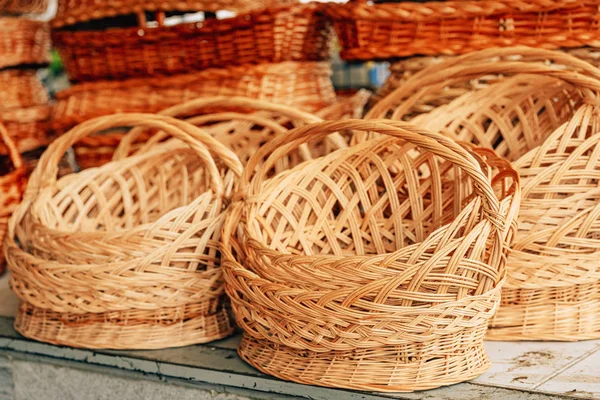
277, 34
24, 6
375, 267
21, 89
28, 127
383, 30
23, 41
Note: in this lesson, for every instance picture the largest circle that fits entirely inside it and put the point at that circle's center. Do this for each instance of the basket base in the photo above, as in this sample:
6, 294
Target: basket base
550, 320
389, 369
93, 332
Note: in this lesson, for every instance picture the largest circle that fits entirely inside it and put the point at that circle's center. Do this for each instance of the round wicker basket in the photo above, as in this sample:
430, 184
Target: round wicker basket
23, 41
100, 264
376, 267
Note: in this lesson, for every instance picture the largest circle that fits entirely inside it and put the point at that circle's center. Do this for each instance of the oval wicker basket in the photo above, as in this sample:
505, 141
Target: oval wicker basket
103, 264
376, 267
383, 30
552, 281
23, 41
12, 184
21, 89
28, 127
24, 6
290, 33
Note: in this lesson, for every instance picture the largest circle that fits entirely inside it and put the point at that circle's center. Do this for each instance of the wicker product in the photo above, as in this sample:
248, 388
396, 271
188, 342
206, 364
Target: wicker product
553, 282
304, 85
74, 11
384, 30
290, 33
12, 184
28, 127
23, 6
149, 275
346, 107
23, 41
21, 89
376, 267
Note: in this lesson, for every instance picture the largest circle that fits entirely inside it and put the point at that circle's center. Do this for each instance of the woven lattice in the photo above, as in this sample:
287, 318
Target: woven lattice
23, 41
149, 246
23, 6
28, 127
12, 184
381, 30
21, 89
380, 259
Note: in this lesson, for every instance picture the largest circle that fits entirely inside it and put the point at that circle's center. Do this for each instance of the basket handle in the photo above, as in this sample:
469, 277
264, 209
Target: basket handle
13, 152
256, 171
45, 174
580, 74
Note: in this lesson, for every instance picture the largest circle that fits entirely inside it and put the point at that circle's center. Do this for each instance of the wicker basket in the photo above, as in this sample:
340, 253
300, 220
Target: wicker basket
291, 33
383, 30
100, 264
553, 281
12, 184
23, 41
21, 89
376, 267
24, 6
75, 11
28, 127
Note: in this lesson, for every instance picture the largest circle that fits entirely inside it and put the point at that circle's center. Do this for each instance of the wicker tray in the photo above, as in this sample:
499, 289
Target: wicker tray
23, 6
28, 127
21, 89
292, 33
23, 41
398, 29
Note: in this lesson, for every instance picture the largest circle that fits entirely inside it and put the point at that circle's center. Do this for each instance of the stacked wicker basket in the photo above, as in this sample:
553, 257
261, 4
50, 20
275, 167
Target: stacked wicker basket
129, 57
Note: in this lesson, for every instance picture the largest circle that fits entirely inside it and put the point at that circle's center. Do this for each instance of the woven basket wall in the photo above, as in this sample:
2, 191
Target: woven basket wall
23, 41
24, 6
28, 127
21, 88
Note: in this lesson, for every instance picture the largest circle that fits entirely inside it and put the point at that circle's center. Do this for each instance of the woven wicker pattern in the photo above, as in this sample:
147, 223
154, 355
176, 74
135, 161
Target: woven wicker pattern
296, 33
552, 280
375, 267
28, 127
304, 85
23, 6
150, 248
12, 184
23, 41
74, 11
21, 89
400, 29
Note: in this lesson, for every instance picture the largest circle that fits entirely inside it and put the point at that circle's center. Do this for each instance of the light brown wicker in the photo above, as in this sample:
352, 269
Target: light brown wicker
378, 30
376, 267
23, 41
73, 11
12, 184
23, 6
103, 264
28, 127
290, 33
552, 281
21, 89
346, 107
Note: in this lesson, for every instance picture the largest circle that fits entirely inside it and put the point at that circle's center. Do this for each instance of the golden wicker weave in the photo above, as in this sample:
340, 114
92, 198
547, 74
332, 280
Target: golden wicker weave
21, 89
290, 33
12, 184
28, 127
23, 41
73, 11
384, 30
552, 281
23, 6
376, 267
103, 264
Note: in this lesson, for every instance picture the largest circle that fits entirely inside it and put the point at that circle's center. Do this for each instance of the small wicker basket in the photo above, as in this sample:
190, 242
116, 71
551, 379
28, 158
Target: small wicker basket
12, 184
376, 267
383, 30
290, 33
23, 41
28, 127
23, 6
552, 281
100, 264
21, 89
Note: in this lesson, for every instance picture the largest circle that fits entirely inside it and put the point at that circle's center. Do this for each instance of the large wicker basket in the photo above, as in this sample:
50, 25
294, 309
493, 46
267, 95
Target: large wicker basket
376, 267
23, 41
553, 283
148, 275
12, 184
383, 30
28, 127
23, 6
289, 33
21, 89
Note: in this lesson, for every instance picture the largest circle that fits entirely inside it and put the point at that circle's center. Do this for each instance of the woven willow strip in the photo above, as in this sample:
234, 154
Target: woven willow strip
376, 267
125, 243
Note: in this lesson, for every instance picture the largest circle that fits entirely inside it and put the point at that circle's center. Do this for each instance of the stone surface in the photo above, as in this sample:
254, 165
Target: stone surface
6, 379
